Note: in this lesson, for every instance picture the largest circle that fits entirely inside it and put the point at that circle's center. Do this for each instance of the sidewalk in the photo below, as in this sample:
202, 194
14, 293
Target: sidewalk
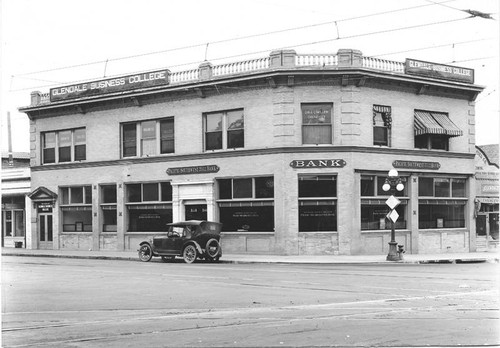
491, 256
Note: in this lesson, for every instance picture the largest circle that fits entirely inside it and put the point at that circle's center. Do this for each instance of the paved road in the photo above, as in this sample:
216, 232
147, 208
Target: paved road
49, 302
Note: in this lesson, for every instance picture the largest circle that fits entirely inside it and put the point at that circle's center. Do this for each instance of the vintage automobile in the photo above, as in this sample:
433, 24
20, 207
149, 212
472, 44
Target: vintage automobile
190, 239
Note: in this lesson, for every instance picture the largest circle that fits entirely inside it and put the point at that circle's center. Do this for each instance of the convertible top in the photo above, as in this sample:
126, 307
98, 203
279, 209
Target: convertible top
206, 226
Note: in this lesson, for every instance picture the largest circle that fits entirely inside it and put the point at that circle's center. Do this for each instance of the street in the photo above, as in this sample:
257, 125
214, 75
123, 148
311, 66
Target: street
60, 302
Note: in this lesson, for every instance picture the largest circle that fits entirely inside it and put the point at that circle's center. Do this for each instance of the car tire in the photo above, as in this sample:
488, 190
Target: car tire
189, 254
168, 258
212, 249
145, 253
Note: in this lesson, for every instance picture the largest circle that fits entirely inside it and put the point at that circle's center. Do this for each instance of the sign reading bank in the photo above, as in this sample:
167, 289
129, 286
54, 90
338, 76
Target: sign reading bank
118, 84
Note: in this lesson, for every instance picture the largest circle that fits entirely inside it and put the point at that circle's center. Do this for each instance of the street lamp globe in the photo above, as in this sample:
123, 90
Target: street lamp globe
393, 173
400, 187
386, 187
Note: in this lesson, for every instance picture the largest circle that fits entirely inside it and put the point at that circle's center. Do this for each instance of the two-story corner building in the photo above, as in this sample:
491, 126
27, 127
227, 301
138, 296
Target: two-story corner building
16, 212
289, 152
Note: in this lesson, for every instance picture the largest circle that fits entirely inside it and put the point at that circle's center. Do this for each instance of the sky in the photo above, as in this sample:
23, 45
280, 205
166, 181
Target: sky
50, 43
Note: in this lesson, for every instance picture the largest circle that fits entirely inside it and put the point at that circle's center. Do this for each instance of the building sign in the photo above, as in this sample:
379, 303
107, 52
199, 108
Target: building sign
45, 207
331, 163
489, 189
416, 165
193, 170
438, 71
118, 84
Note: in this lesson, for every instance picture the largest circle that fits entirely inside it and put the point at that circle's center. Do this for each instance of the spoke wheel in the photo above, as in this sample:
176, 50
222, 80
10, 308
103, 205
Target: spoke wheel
189, 254
145, 253
212, 248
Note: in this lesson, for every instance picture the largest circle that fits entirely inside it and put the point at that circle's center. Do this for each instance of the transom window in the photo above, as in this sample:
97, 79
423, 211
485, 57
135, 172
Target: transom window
317, 123
64, 146
441, 187
148, 138
224, 130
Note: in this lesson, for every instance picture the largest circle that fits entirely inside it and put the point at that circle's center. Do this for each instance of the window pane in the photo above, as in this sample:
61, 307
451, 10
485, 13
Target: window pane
421, 141
65, 154
49, 144
80, 152
76, 195
109, 220
150, 192
166, 192
213, 122
425, 187
213, 141
148, 138
134, 193
316, 134
373, 217
380, 136
109, 194
264, 187
129, 140
235, 119
225, 189
317, 186
252, 219
316, 114
88, 194
49, 155
19, 223
317, 216
367, 186
439, 142
167, 136
80, 147
242, 188
73, 218
458, 187
442, 187
65, 195
149, 220
441, 216
235, 139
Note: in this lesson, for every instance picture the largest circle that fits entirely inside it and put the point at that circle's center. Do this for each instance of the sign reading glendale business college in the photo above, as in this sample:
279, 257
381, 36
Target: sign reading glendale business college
439, 71
118, 84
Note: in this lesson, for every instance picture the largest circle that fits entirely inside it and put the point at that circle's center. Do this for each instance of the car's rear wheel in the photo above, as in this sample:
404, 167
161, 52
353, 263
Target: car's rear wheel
189, 254
168, 258
145, 253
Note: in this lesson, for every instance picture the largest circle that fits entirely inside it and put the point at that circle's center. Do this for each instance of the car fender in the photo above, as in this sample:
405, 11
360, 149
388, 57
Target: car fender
150, 245
196, 245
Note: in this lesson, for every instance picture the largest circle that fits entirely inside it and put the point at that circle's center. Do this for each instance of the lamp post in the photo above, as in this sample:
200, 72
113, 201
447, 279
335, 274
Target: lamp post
393, 183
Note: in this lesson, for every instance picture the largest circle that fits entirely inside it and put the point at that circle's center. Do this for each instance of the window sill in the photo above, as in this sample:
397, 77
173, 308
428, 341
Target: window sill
387, 230
232, 233
318, 232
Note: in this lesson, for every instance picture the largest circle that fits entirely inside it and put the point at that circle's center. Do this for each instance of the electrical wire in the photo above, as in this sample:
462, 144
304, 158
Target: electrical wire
227, 40
285, 47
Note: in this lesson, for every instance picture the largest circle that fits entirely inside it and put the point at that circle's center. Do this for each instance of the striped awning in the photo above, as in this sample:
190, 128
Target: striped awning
435, 123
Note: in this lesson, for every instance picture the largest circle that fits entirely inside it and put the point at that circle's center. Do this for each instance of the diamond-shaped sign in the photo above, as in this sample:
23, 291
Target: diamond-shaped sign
393, 215
392, 202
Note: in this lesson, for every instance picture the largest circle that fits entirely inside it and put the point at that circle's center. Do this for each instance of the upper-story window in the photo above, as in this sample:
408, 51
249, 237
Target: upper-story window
224, 130
433, 130
64, 146
148, 138
382, 123
317, 123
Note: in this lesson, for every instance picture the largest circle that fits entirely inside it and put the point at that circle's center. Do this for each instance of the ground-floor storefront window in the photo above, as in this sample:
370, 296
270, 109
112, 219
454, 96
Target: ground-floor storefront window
317, 203
247, 216
374, 216
149, 218
441, 214
77, 219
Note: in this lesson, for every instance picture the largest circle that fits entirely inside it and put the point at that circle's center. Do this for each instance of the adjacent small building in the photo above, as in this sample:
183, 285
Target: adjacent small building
16, 206
289, 152
486, 197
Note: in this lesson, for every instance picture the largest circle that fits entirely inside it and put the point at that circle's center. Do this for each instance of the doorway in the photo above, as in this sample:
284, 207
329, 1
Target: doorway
45, 234
196, 212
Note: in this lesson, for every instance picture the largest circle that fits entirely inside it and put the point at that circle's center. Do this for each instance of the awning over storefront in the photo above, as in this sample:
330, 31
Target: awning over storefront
435, 123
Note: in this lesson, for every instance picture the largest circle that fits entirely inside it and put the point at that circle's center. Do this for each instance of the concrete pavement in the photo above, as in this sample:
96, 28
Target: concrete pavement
490, 256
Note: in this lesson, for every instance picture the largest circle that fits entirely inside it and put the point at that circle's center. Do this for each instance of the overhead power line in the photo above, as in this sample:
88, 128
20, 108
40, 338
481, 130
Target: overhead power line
286, 47
230, 39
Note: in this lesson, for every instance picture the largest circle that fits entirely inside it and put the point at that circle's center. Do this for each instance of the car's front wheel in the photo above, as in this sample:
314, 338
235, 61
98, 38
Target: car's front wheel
189, 254
145, 253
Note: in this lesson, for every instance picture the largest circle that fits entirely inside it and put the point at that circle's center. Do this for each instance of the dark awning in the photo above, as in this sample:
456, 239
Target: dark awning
435, 123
